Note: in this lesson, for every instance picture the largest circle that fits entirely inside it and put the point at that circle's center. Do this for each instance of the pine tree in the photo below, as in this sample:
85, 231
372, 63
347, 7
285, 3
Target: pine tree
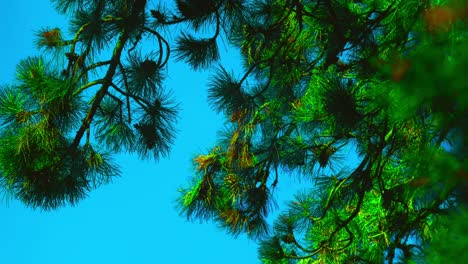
72, 108
382, 80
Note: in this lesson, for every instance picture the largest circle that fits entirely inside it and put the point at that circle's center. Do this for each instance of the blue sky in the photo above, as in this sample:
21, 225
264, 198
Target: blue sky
133, 219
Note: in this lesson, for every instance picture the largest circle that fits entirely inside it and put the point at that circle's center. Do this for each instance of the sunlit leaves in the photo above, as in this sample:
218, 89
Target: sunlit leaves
12, 107
233, 219
32, 72
255, 40
302, 212
238, 204
45, 96
239, 152
200, 201
198, 53
204, 162
233, 185
204, 197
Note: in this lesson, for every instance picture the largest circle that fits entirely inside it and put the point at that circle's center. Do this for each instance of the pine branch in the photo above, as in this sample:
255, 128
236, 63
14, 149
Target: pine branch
103, 90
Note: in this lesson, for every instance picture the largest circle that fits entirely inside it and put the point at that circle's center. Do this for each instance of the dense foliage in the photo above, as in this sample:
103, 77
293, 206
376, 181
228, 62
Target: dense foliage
380, 80
76, 105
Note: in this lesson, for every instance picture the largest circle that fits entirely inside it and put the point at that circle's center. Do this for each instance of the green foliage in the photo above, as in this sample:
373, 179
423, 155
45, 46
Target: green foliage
448, 240
380, 78
53, 117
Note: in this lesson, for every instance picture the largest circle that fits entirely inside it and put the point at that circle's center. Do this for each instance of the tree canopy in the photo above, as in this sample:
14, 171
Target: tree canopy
71, 101
380, 80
